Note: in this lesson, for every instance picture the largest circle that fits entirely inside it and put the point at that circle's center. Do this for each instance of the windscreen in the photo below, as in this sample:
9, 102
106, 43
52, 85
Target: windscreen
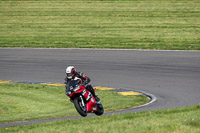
72, 84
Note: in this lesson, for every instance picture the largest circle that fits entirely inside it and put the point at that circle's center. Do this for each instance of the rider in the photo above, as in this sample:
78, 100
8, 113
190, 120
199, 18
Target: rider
73, 74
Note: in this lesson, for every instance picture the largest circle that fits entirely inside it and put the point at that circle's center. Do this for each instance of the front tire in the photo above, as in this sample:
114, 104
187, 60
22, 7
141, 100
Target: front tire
81, 109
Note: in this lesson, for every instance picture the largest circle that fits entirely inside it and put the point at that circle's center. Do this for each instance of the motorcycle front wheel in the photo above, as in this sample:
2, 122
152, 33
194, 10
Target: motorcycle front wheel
81, 109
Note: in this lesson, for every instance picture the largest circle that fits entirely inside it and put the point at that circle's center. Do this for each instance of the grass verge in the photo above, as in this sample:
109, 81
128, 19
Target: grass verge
138, 24
177, 120
19, 102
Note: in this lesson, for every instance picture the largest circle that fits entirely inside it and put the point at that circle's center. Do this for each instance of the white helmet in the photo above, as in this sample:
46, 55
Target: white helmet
70, 72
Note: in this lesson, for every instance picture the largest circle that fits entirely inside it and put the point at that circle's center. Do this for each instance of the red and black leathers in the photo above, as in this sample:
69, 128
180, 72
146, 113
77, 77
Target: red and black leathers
84, 79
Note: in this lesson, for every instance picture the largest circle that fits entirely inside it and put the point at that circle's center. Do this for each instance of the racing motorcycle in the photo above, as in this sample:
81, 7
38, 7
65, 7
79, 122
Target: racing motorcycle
83, 100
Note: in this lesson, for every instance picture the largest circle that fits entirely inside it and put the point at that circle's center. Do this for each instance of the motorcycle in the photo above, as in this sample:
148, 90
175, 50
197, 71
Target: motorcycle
83, 100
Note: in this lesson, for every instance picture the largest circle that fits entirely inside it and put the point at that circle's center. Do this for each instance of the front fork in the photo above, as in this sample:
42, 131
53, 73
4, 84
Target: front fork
83, 103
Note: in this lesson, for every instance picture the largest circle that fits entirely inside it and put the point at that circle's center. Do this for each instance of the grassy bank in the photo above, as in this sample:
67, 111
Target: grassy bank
178, 120
20, 102
144, 24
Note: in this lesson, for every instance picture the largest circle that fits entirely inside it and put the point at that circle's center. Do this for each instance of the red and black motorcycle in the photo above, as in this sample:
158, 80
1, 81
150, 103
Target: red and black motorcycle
83, 100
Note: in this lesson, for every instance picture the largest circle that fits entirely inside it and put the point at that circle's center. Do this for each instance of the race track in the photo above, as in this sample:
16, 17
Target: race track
172, 76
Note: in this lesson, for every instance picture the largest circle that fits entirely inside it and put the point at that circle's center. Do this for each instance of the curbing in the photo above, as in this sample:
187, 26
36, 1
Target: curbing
150, 96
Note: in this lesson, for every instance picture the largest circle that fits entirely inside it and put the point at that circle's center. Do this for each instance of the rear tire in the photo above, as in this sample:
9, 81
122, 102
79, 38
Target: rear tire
100, 109
82, 110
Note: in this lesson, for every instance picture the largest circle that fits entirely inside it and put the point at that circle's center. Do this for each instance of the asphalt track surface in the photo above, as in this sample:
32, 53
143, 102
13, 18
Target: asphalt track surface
172, 76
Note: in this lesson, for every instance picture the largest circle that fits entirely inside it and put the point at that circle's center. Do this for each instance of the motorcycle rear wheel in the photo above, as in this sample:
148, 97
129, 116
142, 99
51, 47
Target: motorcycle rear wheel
82, 110
100, 110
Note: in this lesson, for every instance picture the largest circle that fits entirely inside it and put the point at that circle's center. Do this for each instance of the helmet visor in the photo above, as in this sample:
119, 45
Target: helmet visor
69, 74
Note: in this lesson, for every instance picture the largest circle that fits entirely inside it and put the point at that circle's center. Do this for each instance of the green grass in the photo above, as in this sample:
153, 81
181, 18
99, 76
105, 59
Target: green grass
177, 120
134, 24
19, 102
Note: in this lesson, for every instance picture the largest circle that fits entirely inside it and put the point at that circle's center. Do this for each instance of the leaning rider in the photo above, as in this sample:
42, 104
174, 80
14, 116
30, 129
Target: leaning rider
73, 74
